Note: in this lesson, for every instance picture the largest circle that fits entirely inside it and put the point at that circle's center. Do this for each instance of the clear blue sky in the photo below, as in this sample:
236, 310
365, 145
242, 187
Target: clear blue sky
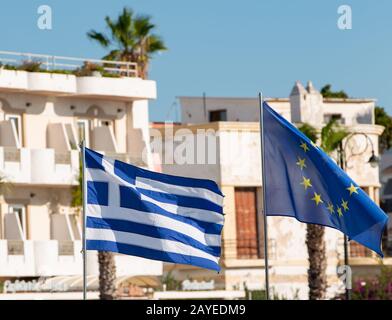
228, 48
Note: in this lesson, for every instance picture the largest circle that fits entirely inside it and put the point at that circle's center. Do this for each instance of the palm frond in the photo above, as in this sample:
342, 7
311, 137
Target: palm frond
99, 37
112, 25
332, 135
113, 55
142, 26
125, 28
124, 21
154, 44
309, 131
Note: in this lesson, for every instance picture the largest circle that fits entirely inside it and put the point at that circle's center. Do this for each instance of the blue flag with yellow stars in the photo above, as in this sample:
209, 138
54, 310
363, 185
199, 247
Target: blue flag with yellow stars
303, 182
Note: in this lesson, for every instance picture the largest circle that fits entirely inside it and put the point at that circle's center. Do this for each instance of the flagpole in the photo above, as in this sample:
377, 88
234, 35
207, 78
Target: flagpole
266, 266
342, 163
84, 200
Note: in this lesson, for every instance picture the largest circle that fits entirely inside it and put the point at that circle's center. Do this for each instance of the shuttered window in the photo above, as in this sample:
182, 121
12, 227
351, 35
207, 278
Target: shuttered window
248, 231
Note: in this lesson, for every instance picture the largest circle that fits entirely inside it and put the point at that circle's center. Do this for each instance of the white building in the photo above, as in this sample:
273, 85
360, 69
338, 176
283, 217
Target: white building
234, 123
43, 117
386, 190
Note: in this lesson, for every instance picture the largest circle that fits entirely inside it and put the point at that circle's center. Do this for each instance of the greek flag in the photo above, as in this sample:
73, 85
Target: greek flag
151, 215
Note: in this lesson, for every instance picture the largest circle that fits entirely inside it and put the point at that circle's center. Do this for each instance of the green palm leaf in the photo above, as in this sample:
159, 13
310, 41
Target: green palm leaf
99, 37
130, 39
332, 135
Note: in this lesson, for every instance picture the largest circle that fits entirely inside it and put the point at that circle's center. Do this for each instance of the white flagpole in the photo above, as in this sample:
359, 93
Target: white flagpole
84, 200
266, 266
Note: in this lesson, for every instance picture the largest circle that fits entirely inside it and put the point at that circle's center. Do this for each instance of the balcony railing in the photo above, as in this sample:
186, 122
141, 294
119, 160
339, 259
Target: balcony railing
66, 248
11, 154
62, 157
15, 247
39, 166
51, 63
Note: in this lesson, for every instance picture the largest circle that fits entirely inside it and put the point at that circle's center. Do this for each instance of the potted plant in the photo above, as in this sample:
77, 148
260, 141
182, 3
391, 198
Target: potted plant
89, 69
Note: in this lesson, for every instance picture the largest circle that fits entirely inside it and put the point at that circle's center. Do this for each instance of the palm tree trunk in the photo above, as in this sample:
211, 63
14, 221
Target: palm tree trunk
107, 275
317, 279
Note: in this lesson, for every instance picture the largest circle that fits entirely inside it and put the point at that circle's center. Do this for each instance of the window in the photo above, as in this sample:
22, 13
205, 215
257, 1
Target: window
334, 116
386, 205
83, 130
388, 188
248, 232
366, 190
20, 212
218, 115
16, 123
359, 251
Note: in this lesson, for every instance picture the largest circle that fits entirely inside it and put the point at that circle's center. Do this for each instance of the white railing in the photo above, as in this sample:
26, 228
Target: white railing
39, 166
50, 62
11, 154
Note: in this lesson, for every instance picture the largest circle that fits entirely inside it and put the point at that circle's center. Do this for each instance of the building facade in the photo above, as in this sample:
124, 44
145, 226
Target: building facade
224, 137
43, 117
386, 192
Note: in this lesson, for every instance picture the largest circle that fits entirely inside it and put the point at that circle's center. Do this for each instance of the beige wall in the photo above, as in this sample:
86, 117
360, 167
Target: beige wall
39, 202
238, 109
44, 110
229, 234
37, 112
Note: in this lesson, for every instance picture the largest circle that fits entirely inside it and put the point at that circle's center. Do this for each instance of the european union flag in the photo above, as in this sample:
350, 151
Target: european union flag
305, 183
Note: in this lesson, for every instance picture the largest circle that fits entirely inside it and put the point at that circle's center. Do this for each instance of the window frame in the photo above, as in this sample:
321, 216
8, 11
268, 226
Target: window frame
218, 111
86, 123
18, 126
23, 221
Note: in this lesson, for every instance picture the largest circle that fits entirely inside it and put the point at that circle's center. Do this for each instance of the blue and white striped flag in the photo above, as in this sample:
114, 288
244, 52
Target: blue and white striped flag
152, 215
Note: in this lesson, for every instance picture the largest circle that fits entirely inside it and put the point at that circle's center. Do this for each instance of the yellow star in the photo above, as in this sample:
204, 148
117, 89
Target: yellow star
345, 205
330, 208
301, 163
306, 183
339, 210
352, 189
317, 198
304, 146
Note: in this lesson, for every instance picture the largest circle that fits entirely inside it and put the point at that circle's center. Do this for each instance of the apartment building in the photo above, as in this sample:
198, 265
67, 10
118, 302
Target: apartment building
227, 130
43, 117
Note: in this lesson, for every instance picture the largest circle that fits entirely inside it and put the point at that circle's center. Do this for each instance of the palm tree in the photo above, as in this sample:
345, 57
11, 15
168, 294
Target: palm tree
331, 136
107, 275
131, 39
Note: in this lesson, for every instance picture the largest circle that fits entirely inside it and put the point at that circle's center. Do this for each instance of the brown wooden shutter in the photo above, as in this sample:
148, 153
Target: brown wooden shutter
247, 224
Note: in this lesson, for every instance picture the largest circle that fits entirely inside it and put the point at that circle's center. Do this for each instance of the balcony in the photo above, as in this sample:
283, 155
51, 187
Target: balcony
39, 166
28, 258
68, 76
47, 166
